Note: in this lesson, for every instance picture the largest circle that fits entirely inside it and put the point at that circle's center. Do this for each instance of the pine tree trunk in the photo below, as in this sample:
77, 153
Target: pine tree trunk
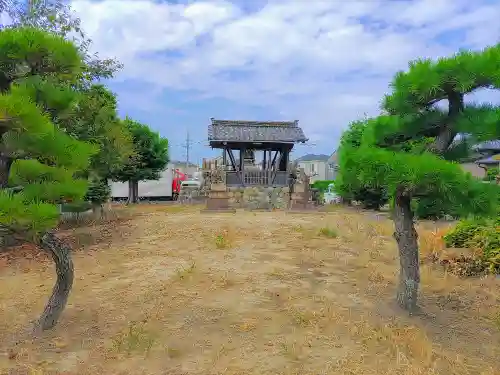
407, 239
5, 164
65, 273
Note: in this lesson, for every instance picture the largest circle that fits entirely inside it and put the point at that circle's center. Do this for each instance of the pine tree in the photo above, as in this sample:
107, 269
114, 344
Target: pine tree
39, 163
404, 150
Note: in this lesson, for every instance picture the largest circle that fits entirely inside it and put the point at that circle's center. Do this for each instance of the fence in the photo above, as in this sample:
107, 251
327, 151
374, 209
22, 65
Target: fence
257, 178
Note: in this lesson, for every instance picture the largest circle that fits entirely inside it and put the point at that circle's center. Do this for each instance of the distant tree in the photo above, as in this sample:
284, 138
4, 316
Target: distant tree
404, 150
95, 120
98, 193
148, 161
39, 163
56, 16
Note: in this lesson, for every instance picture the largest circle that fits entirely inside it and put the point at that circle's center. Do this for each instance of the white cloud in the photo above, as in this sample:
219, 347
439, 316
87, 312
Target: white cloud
5, 19
324, 62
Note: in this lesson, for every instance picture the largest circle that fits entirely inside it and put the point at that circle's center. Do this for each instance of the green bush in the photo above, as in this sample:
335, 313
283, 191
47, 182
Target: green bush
349, 189
483, 234
491, 174
432, 208
322, 186
371, 198
76, 207
464, 232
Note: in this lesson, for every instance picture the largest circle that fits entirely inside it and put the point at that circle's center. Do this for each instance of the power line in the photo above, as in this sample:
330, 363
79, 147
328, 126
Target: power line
183, 144
187, 146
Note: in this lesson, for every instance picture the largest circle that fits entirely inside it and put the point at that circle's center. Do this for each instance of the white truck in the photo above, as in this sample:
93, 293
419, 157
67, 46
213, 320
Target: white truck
150, 189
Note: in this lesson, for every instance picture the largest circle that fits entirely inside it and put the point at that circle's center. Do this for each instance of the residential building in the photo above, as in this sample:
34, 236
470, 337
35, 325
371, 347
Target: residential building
314, 166
485, 156
319, 167
332, 166
490, 154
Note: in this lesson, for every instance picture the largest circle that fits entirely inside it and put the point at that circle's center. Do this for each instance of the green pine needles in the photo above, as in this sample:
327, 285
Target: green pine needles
402, 155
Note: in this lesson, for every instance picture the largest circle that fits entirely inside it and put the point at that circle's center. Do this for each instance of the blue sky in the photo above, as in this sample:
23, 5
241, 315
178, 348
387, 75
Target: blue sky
323, 62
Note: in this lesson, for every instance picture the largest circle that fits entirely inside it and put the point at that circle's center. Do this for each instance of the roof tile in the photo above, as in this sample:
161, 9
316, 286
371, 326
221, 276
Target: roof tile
488, 146
255, 131
489, 160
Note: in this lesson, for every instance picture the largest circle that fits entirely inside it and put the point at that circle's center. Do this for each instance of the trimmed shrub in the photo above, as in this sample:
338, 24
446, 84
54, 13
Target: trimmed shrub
76, 207
482, 234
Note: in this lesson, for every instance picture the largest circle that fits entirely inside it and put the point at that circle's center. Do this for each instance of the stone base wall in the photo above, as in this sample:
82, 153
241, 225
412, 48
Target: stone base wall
259, 197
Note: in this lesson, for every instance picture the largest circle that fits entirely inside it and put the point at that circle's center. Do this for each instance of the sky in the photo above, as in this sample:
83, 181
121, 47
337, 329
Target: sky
323, 62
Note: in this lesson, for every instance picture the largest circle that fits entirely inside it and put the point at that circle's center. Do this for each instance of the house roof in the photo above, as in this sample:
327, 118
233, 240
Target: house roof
313, 157
255, 131
489, 160
488, 146
333, 157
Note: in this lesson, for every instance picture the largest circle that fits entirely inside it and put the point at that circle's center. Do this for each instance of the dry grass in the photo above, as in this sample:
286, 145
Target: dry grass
168, 290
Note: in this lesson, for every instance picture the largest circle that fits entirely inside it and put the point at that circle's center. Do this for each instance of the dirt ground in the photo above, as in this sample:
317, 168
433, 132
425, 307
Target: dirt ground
170, 290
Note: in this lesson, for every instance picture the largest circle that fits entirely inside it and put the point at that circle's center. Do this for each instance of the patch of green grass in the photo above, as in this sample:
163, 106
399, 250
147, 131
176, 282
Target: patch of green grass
328, 232
136, 339
184, 272
221, 241
298, 228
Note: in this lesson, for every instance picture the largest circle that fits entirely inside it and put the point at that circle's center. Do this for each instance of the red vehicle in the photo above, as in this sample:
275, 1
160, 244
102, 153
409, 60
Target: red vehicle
176, 183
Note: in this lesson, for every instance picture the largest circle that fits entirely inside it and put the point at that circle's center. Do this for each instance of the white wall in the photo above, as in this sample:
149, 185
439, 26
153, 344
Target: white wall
331, 171
315, 169
332, 166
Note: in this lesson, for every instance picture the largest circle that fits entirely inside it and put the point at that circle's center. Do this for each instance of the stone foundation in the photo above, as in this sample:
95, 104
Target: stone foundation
218, 199
223, 197
259, 197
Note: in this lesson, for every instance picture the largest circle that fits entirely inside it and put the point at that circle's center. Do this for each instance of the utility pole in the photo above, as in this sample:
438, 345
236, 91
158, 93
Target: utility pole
187, 146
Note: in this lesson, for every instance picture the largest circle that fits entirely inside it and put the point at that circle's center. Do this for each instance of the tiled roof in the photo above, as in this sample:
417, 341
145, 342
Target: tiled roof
255, 131
489, 160
313, 157
488, 146
334, 157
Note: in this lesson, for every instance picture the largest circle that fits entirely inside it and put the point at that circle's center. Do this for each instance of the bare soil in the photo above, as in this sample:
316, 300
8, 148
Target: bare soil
170, 290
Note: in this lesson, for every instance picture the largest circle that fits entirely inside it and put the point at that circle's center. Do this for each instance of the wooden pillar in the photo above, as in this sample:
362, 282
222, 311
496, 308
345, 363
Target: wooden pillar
269, 165
264, 162
284, 159
242, 165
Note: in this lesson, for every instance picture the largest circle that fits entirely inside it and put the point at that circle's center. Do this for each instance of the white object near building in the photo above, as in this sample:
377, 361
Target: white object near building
319, 167
161, 188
